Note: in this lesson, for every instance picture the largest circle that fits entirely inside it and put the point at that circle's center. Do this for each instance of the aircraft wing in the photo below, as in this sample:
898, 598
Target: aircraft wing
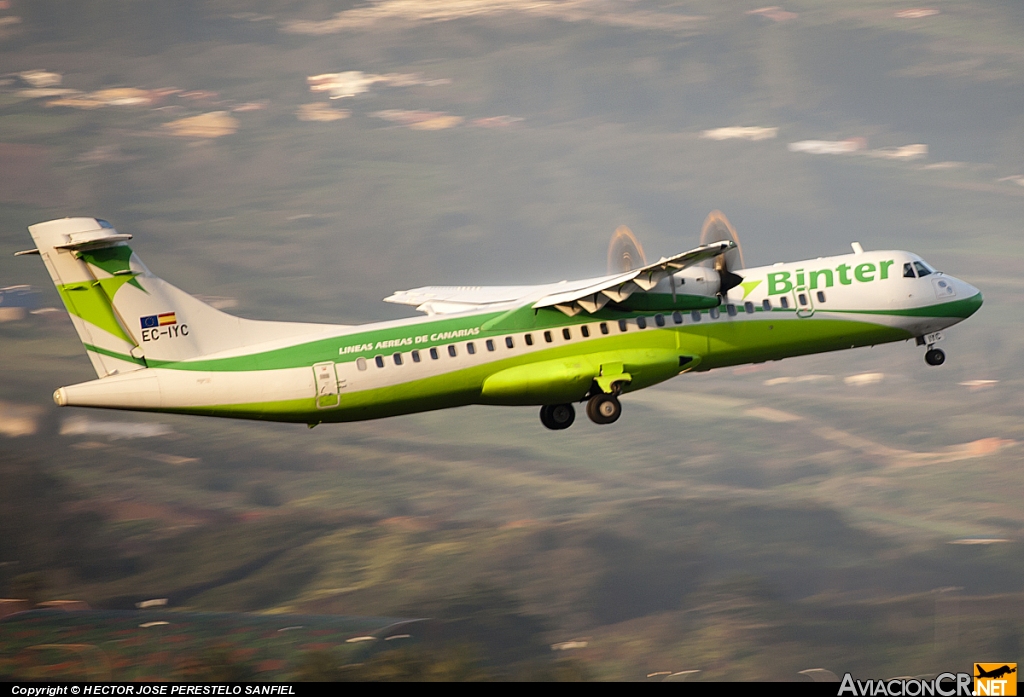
593, 297
588, 295
439, 300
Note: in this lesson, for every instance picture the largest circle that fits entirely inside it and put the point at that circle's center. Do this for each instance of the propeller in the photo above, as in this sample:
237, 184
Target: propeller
717, 228
625, 252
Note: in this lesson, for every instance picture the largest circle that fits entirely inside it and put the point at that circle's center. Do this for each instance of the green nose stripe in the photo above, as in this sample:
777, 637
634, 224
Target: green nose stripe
972, 304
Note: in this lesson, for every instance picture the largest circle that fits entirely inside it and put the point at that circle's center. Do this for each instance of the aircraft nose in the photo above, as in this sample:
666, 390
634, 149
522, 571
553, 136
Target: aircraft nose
973, 298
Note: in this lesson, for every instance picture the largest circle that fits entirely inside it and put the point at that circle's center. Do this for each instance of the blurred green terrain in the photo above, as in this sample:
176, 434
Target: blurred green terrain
748, 524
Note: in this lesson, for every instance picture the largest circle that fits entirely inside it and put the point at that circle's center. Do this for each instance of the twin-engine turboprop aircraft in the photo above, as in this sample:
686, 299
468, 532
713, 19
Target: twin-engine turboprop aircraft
156, 348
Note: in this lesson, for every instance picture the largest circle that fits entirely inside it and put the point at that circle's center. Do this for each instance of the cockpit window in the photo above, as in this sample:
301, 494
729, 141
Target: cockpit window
908, 270
922, 269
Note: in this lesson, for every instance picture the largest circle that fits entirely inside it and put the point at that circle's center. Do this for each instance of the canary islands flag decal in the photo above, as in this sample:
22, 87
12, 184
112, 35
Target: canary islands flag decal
161, 320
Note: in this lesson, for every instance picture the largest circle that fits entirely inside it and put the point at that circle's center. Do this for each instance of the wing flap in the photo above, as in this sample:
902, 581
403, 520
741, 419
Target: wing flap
619, 287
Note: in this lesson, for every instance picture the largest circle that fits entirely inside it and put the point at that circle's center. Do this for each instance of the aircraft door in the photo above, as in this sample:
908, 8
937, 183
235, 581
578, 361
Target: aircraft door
327, 387
803, 301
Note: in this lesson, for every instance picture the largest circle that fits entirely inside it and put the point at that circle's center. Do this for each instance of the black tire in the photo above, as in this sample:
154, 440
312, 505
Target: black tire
935, 357
604, 409
557, 417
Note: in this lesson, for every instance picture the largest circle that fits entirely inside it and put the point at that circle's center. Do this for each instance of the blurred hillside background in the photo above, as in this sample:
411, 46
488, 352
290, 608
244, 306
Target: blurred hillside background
302, 159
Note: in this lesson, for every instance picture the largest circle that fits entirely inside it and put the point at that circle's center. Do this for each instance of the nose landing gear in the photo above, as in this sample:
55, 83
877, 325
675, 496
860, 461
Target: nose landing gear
935, 356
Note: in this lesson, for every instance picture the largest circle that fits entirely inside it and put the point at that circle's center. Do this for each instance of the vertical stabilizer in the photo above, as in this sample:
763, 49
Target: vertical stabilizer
129, 319
87, 290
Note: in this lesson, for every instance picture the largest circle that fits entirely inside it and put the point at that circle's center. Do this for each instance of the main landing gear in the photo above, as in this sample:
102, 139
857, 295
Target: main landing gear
557, 416
602, 408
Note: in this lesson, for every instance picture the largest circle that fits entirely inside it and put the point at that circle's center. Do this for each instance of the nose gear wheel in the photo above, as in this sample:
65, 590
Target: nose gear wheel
935, 356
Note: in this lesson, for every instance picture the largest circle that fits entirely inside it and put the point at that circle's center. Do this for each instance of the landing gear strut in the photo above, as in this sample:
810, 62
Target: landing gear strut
935, 356
604, 408
557, 416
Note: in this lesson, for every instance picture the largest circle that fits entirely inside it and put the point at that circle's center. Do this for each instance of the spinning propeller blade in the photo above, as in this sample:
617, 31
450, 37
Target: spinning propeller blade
625, 252
717, 228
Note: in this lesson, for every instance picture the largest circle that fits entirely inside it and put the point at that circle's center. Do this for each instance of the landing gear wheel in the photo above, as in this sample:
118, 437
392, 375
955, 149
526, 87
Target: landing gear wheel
557, 416
935, 357
604, 408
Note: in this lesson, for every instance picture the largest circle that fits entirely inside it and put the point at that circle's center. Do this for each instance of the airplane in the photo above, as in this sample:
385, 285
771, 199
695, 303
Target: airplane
156, 348
995, 673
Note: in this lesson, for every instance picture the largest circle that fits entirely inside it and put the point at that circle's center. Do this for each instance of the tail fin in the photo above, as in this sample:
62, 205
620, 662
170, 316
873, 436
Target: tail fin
126, 317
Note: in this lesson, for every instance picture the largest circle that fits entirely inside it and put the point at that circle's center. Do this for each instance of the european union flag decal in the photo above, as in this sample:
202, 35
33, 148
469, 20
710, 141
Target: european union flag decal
149, 322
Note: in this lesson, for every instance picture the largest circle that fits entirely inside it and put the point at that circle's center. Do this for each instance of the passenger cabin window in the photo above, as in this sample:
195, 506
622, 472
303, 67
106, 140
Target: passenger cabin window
547, 337
471, 347
659, 320
622, 325
821, 296
451, 350
802, 299
714, 313
361, 363
908, 270
490, 344
695, 315
784, 302
641, 322
397, 358
585, 331
566, 334
766, 305
748, 307
731, 309
379, 360
677, 317
922, 270
415, 356
509, 343
604, 327
433, 354
529, 339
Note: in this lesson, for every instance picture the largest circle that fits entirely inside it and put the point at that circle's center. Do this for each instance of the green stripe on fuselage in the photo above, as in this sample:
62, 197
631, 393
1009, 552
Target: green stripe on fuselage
778, 336
729, 341
771, 336
114, 354
963, 309
421, 334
